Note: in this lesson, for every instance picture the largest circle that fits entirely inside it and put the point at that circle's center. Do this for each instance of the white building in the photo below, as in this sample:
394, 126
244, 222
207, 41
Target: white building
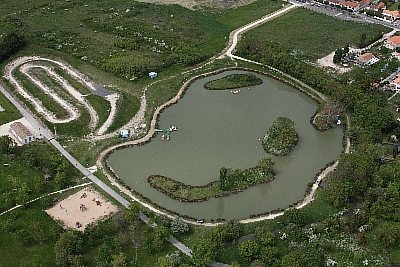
152, 74
23, 135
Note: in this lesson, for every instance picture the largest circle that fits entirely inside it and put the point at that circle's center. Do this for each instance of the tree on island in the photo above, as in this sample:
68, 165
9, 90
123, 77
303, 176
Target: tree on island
281, 137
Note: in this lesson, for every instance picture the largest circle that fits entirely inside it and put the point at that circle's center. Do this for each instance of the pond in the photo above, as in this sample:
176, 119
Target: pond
220, 129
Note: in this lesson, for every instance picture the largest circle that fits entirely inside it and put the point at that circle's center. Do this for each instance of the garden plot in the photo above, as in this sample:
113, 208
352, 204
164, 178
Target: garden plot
46, 84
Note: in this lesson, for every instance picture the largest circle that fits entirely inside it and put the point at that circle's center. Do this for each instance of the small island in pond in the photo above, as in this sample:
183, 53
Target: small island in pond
233, 81
281, 137
230, 181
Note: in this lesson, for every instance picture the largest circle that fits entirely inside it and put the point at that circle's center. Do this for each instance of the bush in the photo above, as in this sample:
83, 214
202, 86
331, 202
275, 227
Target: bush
178, 226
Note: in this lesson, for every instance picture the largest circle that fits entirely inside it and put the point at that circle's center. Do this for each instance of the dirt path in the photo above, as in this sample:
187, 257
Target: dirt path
25, 64
113, 98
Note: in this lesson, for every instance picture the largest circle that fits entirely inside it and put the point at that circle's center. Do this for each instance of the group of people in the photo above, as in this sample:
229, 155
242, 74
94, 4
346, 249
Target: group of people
98, 203
82, 207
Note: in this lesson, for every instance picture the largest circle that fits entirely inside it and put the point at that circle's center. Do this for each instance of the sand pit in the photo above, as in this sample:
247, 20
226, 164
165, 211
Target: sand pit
82, 208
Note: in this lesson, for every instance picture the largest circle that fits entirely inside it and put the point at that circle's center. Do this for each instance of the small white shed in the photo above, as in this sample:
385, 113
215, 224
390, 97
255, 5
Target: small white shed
152, 74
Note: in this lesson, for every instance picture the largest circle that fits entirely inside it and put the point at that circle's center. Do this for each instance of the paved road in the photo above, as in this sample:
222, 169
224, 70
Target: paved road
46, 133
345, 15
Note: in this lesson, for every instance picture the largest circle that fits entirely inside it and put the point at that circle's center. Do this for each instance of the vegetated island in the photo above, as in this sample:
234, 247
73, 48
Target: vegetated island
230, 181
281, 137
233, 81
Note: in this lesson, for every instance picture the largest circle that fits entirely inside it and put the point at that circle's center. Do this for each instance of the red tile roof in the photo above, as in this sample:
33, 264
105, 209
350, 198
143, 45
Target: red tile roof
20, 130
392, 13
394, 40
364, 58
349, 4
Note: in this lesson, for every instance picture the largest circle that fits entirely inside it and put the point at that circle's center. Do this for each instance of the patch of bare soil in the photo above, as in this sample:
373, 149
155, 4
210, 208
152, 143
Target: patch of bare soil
328, 62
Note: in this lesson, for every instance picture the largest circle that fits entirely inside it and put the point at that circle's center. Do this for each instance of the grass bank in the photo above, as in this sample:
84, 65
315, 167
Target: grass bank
233, 81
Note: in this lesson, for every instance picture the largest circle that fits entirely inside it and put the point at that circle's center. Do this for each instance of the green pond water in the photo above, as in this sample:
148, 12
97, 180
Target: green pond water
220, 129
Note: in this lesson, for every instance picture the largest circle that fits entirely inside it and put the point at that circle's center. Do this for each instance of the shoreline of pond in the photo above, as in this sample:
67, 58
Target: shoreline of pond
113, 177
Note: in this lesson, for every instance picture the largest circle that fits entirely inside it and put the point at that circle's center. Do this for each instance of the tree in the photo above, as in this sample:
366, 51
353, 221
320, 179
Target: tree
204, 251
7, 145
11, 44
305, 256
131, 214
170, 260
160, 235
67, 246
224, 233
249, 250
269, 255
371, 115
294, 216
382, 205
353, 176
103, 255
264, 236
257, 263
389, 234
363, 40
174, 257
61, 180
178, 226
119, 260
164, 262
340, 53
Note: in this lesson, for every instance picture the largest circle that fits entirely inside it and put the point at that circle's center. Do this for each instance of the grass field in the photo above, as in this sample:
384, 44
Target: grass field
128, 38
312, 35
10, 112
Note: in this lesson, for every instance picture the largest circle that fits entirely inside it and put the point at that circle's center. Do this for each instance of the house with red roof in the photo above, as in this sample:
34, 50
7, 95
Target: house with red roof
390, 15
396, 55
379, 7
21, 133
354, 5
395, 84
367, 59
393, 42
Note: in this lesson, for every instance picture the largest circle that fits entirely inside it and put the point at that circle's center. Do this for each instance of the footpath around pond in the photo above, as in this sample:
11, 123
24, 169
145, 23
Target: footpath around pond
227, 52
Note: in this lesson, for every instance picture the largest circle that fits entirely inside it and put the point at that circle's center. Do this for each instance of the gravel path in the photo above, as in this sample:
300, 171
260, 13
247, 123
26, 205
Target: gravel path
25, 64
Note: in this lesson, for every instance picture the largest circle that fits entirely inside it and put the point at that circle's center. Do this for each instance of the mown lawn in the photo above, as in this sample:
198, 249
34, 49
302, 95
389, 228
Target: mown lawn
313, 35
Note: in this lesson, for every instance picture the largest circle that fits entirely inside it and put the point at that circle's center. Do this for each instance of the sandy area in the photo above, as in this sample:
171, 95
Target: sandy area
81, 209
328, 62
